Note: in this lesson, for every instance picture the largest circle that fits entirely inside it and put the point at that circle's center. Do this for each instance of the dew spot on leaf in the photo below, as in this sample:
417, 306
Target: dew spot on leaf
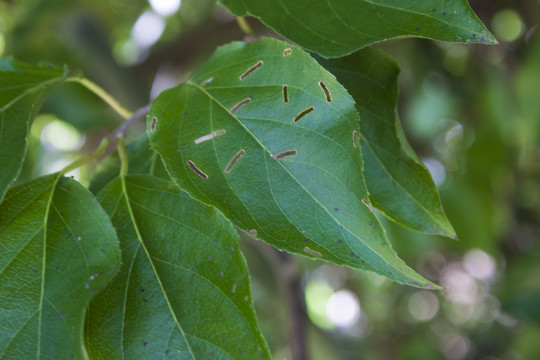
303, 113
234, 160
251, 70
196, 170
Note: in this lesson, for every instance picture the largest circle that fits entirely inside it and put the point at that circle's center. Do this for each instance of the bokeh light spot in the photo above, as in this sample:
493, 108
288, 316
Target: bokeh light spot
423, 305
165, 7
61, 136
147, 29
343, 308
507, 25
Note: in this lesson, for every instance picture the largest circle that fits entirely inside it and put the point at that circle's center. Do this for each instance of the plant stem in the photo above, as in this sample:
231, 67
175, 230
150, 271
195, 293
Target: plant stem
84, 160
244, 25
105, 96
134, 117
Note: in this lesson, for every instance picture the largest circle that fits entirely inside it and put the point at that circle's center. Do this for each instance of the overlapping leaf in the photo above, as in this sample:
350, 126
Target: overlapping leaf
57, 249
183, 290
266, 135
335, 28
23, 88
398, 184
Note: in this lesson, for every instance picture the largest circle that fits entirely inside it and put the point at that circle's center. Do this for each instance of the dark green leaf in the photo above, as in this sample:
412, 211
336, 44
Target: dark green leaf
265, 134
399, 185
142, 160
335, 28
183, 290
58, 250
23, 88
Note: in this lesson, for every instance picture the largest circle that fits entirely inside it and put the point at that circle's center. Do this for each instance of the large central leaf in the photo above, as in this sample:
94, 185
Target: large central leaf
57, 250
183, 290
269, 137
23, 88
334, 28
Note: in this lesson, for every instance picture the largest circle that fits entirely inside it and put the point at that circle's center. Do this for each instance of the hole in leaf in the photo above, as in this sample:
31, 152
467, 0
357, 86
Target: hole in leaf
309, 251
251, 70
153, 124
287, 52
210, 136
234, 160
355, 138
285, 94
303, 113
207, 81
196, 170
240, 104
326, 92
285, 154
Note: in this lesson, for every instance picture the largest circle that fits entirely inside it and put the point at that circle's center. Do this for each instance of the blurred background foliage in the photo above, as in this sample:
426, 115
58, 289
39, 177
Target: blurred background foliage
471, 112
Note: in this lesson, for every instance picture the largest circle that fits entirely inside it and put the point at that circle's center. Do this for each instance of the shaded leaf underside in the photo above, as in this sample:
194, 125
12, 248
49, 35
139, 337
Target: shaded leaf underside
182, 274
399, 185
334, 28
56, 252
23, 88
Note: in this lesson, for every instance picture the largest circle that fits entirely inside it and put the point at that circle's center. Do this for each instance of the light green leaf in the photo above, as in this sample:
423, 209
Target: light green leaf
334, 28
265, 134
399, 185
58, 249
183, 290
23, 88
142, 160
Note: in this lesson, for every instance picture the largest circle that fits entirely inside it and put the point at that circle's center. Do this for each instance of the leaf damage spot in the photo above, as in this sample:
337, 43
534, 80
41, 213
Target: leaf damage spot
239, 105
207, 81
251, 70
153, 124
253, 232
303, 113
312, 252
233, 288
285, 154
210, 136
369, 206
196, 170
287, 52
326, 92
234, 160
355, 138
285, 94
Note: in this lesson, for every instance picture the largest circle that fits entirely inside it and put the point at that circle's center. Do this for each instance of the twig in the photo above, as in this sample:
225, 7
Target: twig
289, 281
136, 116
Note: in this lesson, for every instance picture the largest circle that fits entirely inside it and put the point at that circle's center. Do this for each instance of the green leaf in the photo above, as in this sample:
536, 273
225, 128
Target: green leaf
334, 28
23, 88
183, 290
399, 184
265, 134
142, 160
58, 250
